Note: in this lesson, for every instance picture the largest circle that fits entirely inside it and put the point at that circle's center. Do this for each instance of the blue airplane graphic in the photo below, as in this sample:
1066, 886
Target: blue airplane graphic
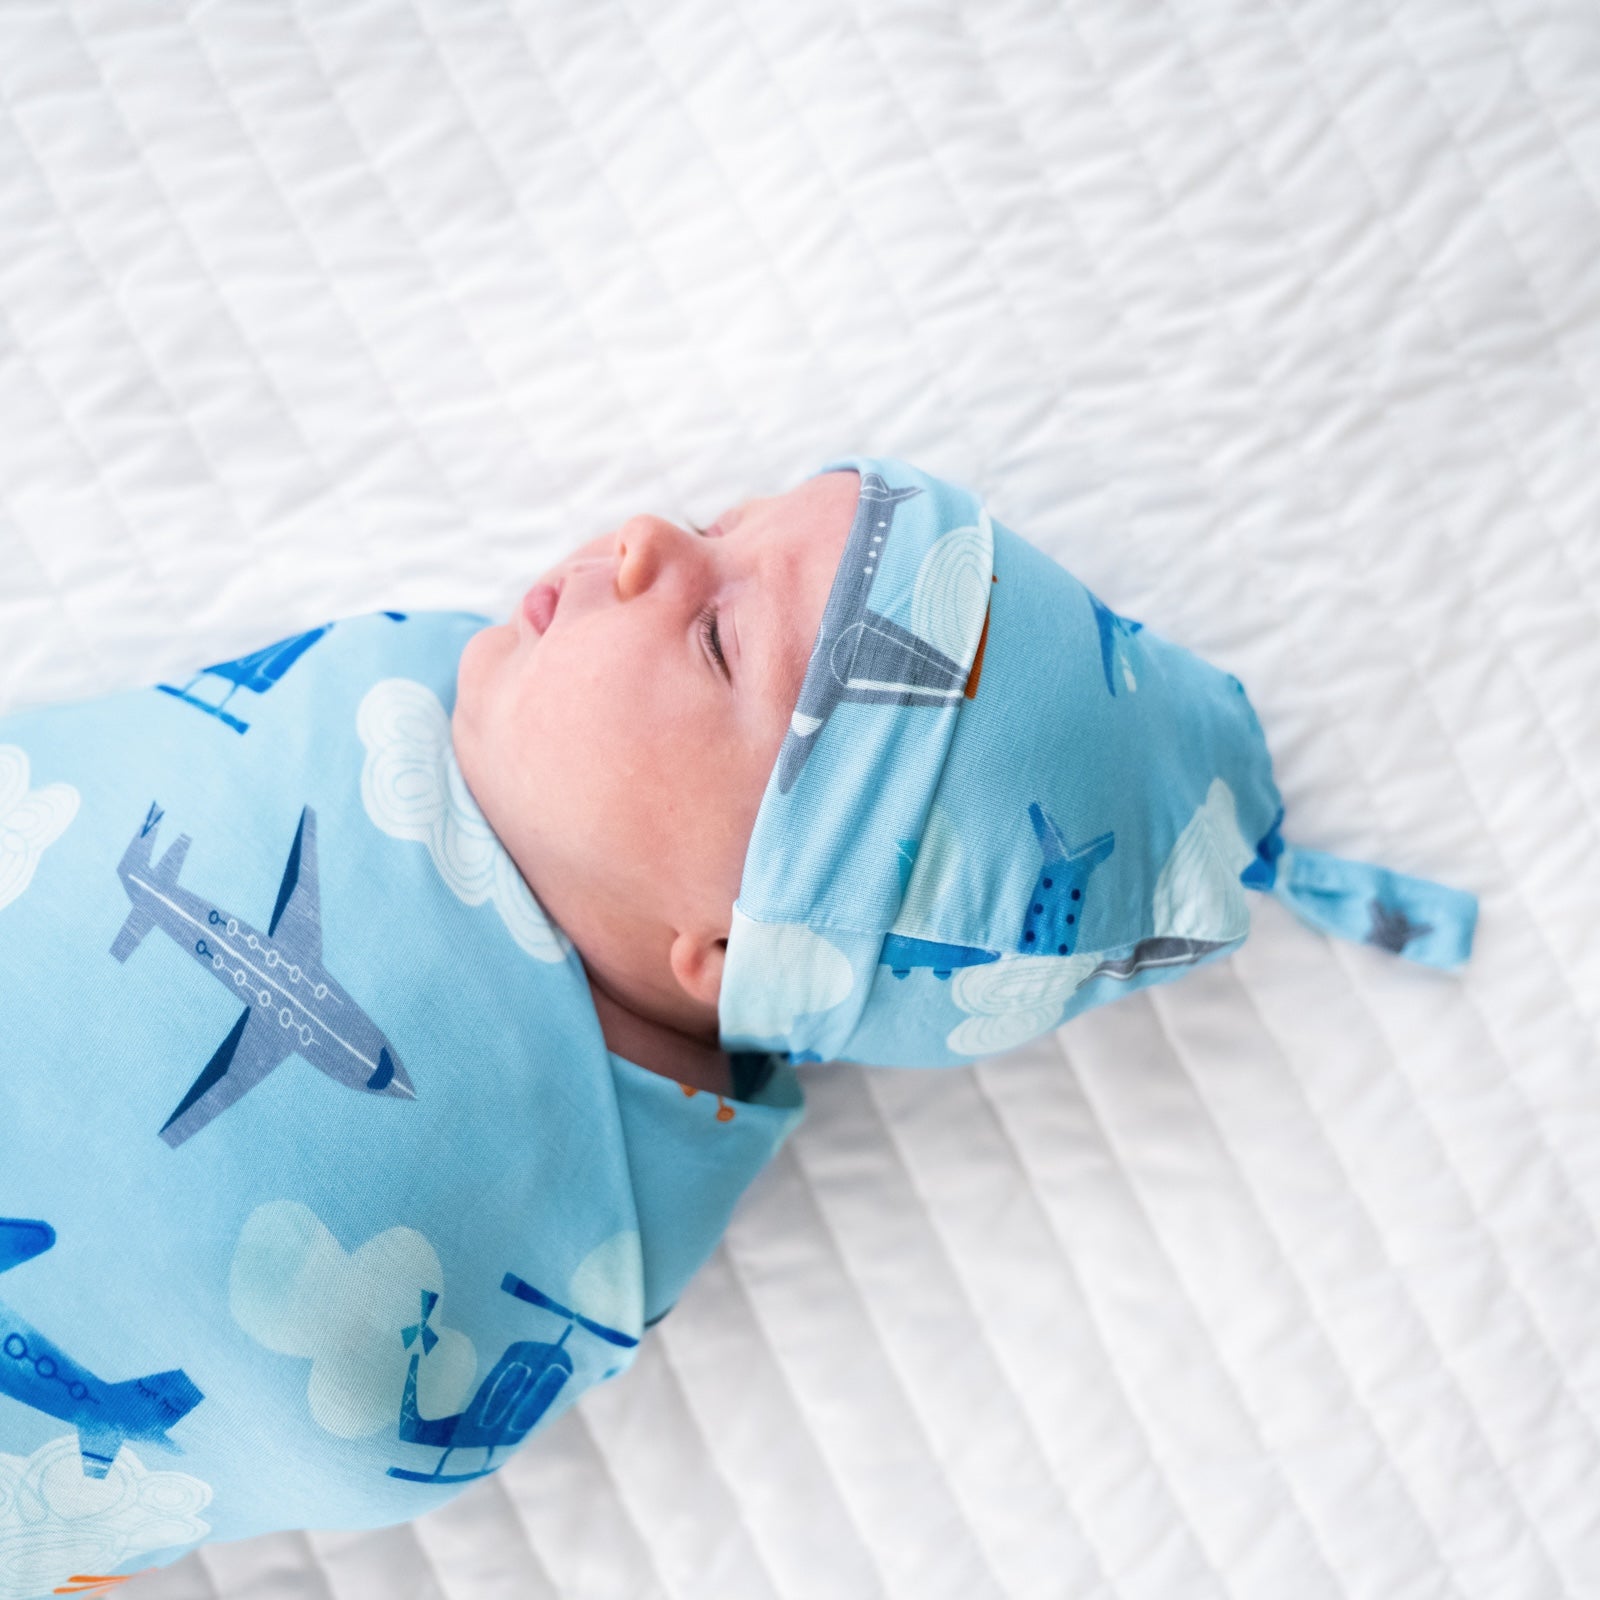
1263, 871
509, 1401
1049, 926
1053, 920
1110, 626
901, 953
256, 672
860, 655
106, 1415
1055, 908
292, 1005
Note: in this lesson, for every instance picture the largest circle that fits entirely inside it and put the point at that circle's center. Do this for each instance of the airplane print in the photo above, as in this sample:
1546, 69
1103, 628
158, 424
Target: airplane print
1113, 628
861, 655
256, 672
34, 1371
293, 1005
1052, 919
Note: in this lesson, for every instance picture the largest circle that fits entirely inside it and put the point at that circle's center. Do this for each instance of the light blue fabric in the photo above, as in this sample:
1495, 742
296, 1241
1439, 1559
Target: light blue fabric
314, 1166
1000, 803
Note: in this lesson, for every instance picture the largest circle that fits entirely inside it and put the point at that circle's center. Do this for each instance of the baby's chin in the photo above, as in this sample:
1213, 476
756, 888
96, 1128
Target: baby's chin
486, 650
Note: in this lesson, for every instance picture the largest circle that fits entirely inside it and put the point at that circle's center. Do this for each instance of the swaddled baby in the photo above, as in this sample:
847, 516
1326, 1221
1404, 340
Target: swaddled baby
391, 1018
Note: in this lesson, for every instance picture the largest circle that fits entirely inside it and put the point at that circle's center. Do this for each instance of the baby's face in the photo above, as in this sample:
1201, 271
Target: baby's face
619, 761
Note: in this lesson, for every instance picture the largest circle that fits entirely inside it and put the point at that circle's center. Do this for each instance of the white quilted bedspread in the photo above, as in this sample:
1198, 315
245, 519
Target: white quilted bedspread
1278, 322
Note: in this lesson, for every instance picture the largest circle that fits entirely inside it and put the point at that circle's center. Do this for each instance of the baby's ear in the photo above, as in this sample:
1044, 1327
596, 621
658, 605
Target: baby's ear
697, 960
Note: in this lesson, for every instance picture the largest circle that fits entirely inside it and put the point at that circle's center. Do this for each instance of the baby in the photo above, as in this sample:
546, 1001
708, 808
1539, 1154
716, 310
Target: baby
359, 997
653, 673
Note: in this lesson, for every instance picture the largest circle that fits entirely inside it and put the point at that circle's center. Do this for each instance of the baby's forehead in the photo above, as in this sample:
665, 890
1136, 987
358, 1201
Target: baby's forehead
820, 486
802, 531
756, 509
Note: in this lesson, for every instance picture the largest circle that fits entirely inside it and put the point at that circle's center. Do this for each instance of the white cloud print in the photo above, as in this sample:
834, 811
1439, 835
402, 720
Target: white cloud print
775, 973
1014, 999
30, 821
951, 595
1198, 896
55, 1521
412, 787
608, 1286
295, 1290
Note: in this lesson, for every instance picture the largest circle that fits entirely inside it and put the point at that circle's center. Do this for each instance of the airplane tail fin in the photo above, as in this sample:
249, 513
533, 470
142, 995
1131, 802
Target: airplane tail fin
171, 864
1053, 845
144, 1408
141, 848
136, 858
141, 1408
136, 861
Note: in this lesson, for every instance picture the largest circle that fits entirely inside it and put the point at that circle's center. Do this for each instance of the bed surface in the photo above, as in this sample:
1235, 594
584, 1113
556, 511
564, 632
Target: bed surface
1280, 325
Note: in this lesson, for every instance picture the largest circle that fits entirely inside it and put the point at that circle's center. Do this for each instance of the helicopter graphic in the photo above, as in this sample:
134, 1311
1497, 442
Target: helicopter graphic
515, 1395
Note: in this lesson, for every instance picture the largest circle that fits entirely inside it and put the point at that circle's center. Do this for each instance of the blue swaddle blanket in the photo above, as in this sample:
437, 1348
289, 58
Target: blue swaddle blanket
999, 803
314, 1167
319, 1189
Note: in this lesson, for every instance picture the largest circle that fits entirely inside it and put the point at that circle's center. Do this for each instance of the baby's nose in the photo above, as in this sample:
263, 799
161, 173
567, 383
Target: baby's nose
645, 545
644, 529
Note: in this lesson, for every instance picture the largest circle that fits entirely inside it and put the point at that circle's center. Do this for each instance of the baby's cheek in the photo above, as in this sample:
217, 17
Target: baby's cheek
469, 692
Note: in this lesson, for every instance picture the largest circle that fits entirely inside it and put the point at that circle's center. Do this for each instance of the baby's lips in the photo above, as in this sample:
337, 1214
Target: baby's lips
539, 605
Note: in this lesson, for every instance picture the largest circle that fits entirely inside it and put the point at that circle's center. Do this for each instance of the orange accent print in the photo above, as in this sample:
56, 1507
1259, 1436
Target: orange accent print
87, 1583
725, 1112
977, 660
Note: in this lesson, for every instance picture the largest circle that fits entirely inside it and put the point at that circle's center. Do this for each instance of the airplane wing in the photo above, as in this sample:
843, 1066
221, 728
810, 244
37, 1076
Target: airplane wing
299, 906
21, 1241
255, 1046
890, 657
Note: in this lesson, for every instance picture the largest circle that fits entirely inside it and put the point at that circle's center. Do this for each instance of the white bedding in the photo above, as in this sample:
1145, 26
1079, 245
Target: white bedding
1280, 324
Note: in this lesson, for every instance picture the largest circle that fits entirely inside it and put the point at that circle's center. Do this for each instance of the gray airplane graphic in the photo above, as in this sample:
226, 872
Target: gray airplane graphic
292, 1005
36, 1371
860, 654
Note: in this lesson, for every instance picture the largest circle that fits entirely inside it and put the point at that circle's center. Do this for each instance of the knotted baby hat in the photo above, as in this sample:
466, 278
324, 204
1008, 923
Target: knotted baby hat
1000, 803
